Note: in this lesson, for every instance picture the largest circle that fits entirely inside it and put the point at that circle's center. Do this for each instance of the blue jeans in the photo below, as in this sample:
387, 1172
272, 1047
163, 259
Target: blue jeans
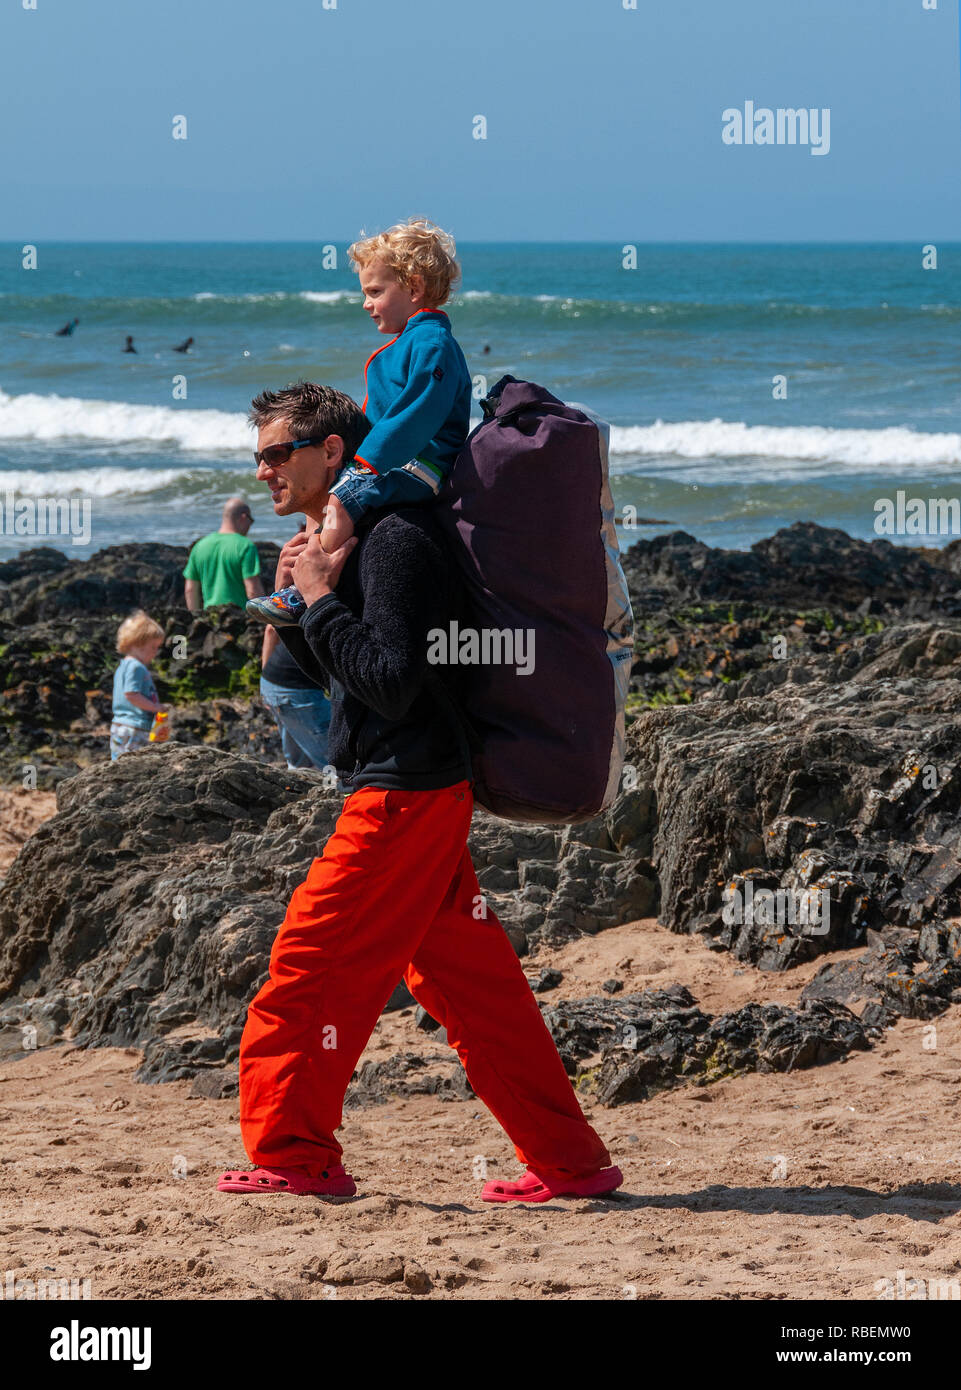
303, 717
360, 489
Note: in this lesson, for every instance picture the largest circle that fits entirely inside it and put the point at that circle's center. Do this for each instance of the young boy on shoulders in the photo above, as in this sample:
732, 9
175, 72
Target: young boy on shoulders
418, 390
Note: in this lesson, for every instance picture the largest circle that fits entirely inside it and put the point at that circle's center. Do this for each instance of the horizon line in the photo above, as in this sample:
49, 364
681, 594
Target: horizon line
466, 241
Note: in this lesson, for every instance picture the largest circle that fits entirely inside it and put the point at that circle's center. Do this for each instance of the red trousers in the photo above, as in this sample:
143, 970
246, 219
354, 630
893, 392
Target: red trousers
395, 892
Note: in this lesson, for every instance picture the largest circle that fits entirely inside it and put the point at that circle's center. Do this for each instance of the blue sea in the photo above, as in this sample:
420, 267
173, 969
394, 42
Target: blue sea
679, 354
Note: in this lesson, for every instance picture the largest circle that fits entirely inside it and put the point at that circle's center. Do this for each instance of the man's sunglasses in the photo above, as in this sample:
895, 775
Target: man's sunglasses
276, 454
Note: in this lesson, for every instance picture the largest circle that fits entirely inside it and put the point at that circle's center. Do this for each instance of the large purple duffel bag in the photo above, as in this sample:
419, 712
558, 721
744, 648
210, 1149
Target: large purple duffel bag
528, 512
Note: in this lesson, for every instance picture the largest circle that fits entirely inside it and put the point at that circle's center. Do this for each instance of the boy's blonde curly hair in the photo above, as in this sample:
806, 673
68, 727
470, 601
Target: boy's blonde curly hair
415, 247
136, 630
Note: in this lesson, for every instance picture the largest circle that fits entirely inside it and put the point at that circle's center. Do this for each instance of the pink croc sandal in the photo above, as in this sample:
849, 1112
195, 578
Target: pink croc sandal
333, 1182
532, 1188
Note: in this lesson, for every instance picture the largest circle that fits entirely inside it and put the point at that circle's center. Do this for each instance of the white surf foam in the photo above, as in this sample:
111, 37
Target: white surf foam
90, 482
314, 296
65, 417
238, 298
331, 296
816, 448
722, 439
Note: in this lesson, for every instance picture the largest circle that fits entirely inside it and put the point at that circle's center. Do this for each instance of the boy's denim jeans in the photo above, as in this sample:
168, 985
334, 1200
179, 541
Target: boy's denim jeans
303, 717
126, 739
360, 489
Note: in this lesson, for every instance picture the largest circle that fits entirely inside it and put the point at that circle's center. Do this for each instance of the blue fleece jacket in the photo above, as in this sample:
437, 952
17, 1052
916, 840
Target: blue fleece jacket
418, 396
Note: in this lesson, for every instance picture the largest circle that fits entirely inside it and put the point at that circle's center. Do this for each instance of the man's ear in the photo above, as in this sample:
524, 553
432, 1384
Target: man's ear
335, 449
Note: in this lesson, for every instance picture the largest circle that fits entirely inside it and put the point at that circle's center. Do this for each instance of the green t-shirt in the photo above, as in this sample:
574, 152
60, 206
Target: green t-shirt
221, 562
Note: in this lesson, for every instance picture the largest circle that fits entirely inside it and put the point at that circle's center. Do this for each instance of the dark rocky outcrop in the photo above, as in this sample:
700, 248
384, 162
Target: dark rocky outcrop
143, 574
58, 624
548, 979
33, 564
828, 762
550, 885
707, 617
144, 912
813, 743
408, 1074
840, 773
797, 563
916, 974
647, 1042
660, 1038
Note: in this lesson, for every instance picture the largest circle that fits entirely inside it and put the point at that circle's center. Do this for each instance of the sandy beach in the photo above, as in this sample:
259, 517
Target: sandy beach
813, 1185
21, 811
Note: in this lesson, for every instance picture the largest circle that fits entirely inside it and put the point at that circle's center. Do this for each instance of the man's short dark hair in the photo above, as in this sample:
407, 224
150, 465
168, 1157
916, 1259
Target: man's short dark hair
313, 410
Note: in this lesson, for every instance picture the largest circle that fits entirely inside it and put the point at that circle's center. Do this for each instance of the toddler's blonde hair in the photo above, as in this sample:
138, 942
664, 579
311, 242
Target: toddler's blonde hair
135, 631
415, 247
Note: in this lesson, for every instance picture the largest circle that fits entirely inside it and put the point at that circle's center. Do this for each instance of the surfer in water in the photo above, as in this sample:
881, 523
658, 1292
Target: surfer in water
184, 346
128, 346
67, 329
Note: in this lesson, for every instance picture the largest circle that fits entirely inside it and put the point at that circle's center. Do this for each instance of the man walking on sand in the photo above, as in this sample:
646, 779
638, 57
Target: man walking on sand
394, 892
224, 567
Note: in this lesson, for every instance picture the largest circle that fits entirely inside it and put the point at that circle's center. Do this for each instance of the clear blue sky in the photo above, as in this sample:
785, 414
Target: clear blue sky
603, 123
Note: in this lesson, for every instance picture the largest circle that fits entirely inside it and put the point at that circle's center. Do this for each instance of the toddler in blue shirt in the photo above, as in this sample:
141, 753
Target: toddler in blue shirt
418, 390
135, 701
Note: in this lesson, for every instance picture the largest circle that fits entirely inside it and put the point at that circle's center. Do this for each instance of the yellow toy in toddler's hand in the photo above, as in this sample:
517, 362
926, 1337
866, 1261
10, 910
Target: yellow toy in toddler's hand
161, 727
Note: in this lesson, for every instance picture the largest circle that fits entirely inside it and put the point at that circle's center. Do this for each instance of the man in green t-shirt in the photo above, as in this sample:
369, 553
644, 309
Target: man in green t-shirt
224, 567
